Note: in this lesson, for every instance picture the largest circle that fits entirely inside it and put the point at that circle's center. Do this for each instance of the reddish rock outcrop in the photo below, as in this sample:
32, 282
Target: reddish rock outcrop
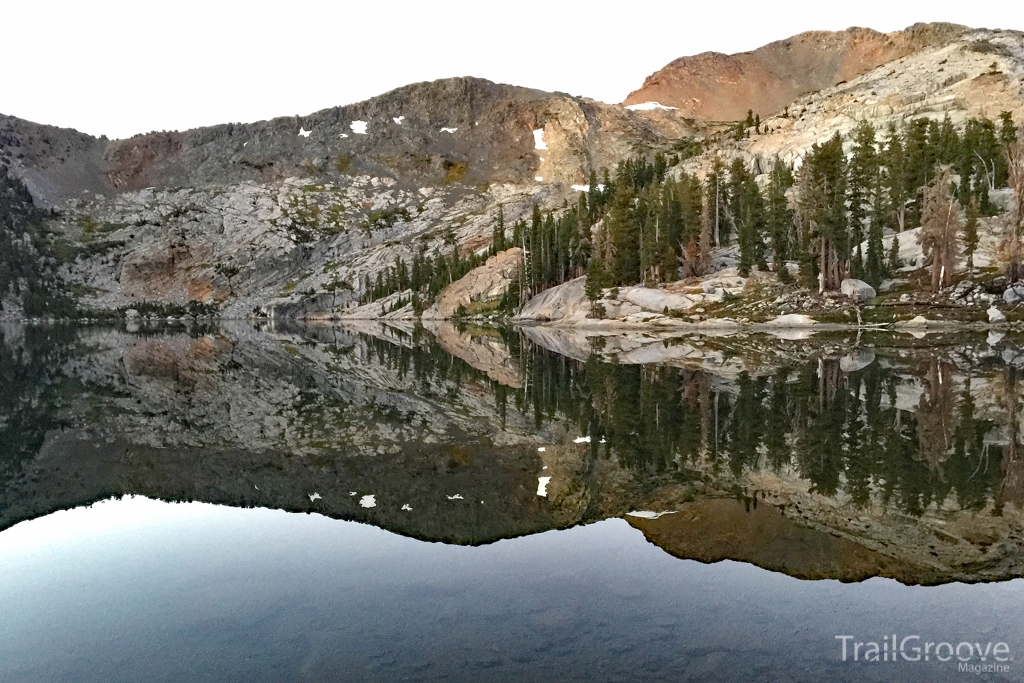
717, 87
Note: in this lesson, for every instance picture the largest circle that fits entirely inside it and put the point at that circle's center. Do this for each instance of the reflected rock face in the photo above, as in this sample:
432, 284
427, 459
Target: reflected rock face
850, 458
726, 529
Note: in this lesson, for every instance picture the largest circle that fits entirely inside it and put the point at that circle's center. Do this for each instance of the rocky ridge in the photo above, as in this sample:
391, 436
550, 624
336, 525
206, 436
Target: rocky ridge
716, 87
288, 218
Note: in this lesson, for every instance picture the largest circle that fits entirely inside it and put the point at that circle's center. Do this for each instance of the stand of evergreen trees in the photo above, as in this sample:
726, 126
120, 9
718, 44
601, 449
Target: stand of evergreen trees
842, 432
642, 224
426, 276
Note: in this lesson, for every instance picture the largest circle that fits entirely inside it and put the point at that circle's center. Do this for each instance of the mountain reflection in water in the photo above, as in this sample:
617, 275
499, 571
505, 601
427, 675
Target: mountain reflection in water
831, 456
143, 590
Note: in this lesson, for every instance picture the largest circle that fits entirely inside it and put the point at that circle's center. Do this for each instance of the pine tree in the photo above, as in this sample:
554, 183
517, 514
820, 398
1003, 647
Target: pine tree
718, 198
823, 208
498, 238
971, 234
746, 209
920, 164
863, 171
874, 267
894, 160
778, 215
1007, 130
894, 260
623, 243
703, 262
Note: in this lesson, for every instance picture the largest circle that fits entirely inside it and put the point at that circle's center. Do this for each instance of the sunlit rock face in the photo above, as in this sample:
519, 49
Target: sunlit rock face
823, 457
717, 87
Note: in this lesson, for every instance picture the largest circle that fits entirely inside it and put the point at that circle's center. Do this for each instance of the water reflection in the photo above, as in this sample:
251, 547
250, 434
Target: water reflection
902, 454
135, 589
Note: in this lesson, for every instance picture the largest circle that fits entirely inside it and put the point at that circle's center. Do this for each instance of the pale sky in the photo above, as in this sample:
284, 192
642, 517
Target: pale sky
120, 68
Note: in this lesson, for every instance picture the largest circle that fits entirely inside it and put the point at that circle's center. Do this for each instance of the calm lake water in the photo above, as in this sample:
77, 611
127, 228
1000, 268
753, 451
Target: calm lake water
239, 503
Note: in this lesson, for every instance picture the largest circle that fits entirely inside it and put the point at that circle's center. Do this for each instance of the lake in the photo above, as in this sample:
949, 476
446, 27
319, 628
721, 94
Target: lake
277, 502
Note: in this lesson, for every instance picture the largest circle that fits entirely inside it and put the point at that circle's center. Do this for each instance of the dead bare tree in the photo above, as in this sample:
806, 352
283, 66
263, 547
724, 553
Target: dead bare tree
940, 229
1011, 246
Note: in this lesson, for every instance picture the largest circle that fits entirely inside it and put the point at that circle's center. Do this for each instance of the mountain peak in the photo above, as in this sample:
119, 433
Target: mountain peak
712, 86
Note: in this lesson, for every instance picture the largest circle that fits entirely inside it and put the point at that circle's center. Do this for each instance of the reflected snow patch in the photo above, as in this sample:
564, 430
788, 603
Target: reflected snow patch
455, 497
542, 486
407, 507
314, 496
448, 130
647, 514
581, 188
303, 133
581, 439
398, 119
368, 501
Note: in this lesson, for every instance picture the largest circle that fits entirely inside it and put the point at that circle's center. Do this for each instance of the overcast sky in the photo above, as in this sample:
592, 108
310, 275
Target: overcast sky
120, 68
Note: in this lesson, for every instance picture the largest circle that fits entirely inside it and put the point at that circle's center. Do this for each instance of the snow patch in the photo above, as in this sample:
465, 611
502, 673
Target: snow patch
647, 514
538, 139
448, 130
455, 497
398, 119
581, 188
368, 502
581, 439
648, 106
358, 127
313, 496
541, 449
343, 135
542, 486
407, 507
539, 179
303, 133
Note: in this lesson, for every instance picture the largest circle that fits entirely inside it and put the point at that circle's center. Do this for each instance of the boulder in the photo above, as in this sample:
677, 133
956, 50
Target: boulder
962, 289
656, 300
1014, 294
857, 289
995, 315
857, 359
792, 320
566, 302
